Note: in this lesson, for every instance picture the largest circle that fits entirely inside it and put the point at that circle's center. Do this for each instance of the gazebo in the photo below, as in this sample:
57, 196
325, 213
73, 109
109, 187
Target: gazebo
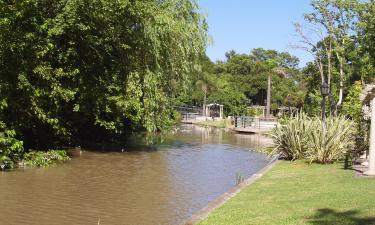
211, 112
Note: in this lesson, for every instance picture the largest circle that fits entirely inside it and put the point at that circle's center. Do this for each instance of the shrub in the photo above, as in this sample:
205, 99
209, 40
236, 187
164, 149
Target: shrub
325, 145
290, 139
305, 137
11, 149
352, 107
42, 159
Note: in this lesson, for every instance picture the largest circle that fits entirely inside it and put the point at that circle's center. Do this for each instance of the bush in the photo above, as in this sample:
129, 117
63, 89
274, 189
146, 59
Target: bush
11, 149
290, 139
333, 142
352, 107
305, 137
42, 159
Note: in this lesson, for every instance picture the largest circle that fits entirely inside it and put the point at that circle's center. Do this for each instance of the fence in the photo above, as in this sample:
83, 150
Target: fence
189, 116
254, 122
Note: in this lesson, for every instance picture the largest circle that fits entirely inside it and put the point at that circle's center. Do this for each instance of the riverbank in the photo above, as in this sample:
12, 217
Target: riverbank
300, 193
36, 159
225, 123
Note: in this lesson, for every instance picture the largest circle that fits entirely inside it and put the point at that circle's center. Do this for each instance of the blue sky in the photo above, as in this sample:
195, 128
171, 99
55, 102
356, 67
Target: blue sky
246, 24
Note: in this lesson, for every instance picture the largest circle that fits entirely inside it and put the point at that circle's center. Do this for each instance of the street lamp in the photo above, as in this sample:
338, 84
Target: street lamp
324, 90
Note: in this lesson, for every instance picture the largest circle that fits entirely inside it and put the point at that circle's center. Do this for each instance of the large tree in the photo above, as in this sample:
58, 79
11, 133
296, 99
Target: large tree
244, 77
367, 39
332, 22
73, 70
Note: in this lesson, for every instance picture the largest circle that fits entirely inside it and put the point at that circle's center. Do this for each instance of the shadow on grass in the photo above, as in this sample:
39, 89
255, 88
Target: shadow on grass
332, 217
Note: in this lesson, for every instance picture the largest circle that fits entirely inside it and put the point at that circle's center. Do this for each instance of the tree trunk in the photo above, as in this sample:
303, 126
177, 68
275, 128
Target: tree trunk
268, 107
341, 83
204, 103
329, 69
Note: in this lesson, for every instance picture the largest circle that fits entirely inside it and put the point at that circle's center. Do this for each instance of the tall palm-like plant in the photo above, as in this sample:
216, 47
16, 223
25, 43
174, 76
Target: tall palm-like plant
204, 86
273, 69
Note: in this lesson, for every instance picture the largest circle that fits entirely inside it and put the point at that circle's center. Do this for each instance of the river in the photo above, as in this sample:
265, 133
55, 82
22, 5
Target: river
162, 183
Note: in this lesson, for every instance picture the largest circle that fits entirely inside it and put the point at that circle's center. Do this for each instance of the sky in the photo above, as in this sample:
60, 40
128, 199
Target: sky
242, 25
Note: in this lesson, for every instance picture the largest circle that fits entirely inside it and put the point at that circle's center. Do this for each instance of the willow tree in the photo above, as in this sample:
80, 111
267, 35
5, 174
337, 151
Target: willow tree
74, 70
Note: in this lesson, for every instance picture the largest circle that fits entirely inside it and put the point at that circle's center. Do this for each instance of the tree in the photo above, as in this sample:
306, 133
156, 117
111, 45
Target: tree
333, 22
366, 35
274, 63
73, 71
245, 77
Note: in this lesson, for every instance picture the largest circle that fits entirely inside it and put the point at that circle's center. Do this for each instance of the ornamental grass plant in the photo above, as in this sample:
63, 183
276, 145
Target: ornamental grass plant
290, 138
329, 142
308, 138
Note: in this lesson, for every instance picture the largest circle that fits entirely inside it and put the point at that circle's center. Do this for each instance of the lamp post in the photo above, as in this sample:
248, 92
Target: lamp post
324, 90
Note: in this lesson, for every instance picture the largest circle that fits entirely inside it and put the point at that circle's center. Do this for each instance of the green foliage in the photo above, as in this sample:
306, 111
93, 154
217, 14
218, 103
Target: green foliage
290, 139
352, 106
254, 112
42, 159
244, 76
313, 102
367, 37
308, 138
329, 143
73, 70
225, 123
344, 52
11, 149
349, 25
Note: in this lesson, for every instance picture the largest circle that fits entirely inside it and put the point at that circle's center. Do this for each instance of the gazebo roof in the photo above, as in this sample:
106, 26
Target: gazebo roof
214, 104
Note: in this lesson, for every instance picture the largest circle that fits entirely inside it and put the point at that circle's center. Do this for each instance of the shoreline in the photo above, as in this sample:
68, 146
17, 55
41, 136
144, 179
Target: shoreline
223, 198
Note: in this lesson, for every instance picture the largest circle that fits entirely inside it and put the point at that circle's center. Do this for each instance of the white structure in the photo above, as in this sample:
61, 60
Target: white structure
368, 96
371, 164
208, 110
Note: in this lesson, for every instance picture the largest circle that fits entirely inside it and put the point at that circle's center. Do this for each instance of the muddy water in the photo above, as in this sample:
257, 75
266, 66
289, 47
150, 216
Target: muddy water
162, 184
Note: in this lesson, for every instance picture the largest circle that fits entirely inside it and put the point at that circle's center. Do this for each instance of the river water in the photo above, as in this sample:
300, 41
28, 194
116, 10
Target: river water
157, 184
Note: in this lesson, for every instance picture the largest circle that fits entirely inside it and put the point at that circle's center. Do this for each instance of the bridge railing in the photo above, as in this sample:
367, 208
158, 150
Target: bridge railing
244, 121
189, 116
254, 122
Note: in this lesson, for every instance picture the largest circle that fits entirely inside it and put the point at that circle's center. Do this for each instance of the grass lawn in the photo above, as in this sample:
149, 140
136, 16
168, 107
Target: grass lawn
218, 123
299, 193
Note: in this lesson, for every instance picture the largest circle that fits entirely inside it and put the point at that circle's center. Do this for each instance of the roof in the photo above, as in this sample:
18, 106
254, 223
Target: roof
213, 104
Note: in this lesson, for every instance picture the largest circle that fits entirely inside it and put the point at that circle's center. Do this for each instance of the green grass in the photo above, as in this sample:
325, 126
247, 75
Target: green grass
218, 123
299, 193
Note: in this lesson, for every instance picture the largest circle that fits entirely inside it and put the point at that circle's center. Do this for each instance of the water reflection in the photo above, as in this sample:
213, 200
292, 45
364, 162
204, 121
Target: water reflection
212, 135
189, 169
